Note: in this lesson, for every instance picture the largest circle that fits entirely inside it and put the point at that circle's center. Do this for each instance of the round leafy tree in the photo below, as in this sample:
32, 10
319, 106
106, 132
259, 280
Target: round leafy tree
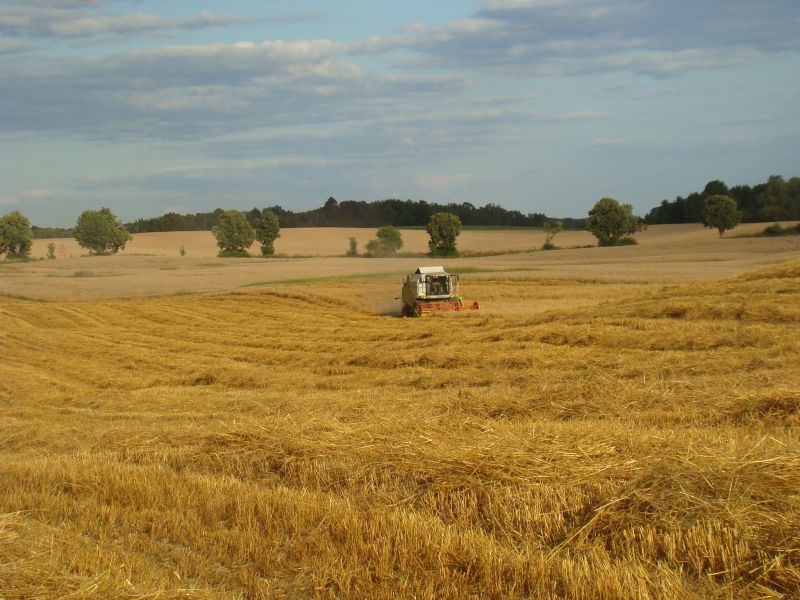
101, 232
16, 236
267, 231
722, 213
611, 222
443, 228
234, 234
388, 242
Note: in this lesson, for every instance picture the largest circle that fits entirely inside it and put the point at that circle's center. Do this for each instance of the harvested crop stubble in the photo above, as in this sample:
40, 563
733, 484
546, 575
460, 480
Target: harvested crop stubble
276, 444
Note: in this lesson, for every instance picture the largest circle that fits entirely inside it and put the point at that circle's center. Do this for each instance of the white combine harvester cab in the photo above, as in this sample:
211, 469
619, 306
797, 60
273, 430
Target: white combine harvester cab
432, 289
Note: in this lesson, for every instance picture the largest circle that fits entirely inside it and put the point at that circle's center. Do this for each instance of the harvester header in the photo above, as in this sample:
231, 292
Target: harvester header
432, 289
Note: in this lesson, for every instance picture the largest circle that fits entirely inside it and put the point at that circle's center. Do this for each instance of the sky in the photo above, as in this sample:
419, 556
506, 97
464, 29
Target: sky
542, 106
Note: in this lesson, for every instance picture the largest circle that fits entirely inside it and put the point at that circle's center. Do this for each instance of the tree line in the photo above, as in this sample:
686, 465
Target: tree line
612, 223
774, 200
358, 213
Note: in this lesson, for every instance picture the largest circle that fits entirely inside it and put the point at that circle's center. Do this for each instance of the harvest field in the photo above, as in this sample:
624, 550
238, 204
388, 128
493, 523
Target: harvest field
319, 241
635, 434
334, 241
666, 254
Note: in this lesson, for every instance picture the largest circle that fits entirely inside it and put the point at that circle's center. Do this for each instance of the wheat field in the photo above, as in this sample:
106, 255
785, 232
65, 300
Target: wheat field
576, 438
334, 241
667, 254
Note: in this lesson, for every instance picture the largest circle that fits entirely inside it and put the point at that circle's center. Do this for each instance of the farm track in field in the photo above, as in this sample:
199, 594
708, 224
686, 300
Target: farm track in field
585, 439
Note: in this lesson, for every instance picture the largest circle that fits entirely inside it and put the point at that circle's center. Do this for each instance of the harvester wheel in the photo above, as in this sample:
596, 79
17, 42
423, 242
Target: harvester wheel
417, 311
406, 310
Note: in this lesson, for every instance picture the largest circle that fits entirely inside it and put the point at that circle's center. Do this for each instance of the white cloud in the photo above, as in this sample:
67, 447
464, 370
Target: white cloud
207, 19
8, 200
63, 21
93, 26
218, 98
574, 37
278, 51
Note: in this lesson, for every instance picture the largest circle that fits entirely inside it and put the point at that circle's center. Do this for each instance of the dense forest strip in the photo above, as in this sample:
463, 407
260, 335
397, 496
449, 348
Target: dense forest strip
352, 213
774, 200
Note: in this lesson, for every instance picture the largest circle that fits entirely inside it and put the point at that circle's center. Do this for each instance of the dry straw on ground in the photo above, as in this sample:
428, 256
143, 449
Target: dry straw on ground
289, 442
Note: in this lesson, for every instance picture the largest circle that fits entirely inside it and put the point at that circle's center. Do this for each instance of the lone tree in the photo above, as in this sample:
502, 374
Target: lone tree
101, 232
267, 231
353, 249
551, 229
443, 228
388, 242
611, 222
16, 235
721, 212
234, 234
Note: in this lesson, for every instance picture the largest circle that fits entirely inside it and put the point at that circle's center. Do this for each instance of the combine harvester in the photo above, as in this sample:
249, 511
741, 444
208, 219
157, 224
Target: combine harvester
430, 290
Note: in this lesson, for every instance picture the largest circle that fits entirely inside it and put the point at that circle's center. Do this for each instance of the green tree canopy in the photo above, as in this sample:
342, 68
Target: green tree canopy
267, 228
443, 228
353, 249
780, 200
101, 232
610, 222
721, 213
234, 234
388, 242
16, 235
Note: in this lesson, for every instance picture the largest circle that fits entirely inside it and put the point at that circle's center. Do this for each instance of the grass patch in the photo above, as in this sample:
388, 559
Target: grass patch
20, 259
327, 279
776, 230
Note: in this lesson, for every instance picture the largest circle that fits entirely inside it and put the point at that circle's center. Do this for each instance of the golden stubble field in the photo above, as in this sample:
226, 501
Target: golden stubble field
334, 241
666, 254
627, 435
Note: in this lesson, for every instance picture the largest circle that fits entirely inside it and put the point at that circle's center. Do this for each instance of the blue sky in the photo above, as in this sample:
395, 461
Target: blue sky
538, 105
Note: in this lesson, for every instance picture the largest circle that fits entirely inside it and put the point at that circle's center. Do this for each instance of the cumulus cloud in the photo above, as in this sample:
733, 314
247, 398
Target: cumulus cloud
92, 26
186, 92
